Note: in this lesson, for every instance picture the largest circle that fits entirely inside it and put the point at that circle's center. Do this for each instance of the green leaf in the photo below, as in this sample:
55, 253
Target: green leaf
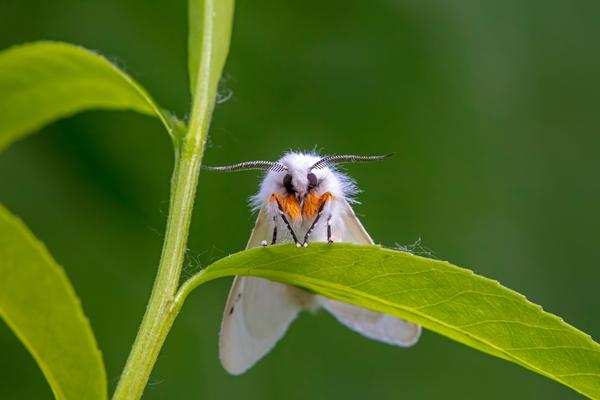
40, 306
43, 81
208, 36
446, 299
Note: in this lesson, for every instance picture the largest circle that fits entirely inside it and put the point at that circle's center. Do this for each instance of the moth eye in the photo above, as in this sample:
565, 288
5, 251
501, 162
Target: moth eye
312, 181
287, 182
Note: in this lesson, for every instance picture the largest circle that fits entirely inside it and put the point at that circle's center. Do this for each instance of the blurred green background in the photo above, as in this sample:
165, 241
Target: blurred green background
491, 108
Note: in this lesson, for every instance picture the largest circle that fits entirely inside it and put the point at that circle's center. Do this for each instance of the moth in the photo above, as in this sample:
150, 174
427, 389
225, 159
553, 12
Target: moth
303, 198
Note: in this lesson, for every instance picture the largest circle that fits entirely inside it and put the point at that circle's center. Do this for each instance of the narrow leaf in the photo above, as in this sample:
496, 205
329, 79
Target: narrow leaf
40, 306
43, 81
446, 299
210, 23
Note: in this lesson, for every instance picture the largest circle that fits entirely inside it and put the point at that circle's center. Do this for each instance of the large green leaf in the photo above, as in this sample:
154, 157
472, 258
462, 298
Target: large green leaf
446, 299
210, 24
40, 306
44, 81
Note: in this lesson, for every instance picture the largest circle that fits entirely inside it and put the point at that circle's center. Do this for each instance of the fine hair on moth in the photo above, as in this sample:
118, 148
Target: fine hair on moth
302, 198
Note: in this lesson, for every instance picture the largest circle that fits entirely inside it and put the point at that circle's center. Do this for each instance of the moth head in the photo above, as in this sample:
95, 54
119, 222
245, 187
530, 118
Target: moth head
299, 174
299, 182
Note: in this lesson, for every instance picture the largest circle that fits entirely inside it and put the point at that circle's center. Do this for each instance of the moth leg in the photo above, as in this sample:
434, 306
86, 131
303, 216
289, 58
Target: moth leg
274, 230
312, 226
285, 220
324, 199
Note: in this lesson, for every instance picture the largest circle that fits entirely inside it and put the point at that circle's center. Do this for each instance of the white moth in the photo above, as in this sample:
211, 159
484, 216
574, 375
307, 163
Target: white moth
302, 199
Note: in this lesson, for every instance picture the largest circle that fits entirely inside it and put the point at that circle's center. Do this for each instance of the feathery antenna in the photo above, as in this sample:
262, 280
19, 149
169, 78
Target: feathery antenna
347, 158
247, 165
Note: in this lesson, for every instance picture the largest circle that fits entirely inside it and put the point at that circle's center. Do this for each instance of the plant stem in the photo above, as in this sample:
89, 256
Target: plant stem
160, 314
215, 17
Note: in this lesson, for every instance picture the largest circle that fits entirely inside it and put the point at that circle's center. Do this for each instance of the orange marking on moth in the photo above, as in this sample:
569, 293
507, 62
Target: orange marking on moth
312, 203
289, 205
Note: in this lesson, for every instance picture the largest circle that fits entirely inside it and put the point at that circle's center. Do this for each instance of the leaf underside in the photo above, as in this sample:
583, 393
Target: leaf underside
40, 306
41, 82
446, 299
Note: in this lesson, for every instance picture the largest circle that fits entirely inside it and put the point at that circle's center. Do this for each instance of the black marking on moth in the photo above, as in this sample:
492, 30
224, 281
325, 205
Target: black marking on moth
312, 181
287, 183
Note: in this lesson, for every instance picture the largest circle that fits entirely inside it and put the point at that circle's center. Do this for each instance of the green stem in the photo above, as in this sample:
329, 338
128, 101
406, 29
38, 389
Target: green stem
215, 17
160, 314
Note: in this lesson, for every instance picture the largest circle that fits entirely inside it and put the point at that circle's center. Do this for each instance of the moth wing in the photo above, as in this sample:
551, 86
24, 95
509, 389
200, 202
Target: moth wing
352, 231
257, 312
261, 230
374, 325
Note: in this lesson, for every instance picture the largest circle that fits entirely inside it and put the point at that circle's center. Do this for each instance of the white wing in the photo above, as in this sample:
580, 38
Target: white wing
257, 312
374, 325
